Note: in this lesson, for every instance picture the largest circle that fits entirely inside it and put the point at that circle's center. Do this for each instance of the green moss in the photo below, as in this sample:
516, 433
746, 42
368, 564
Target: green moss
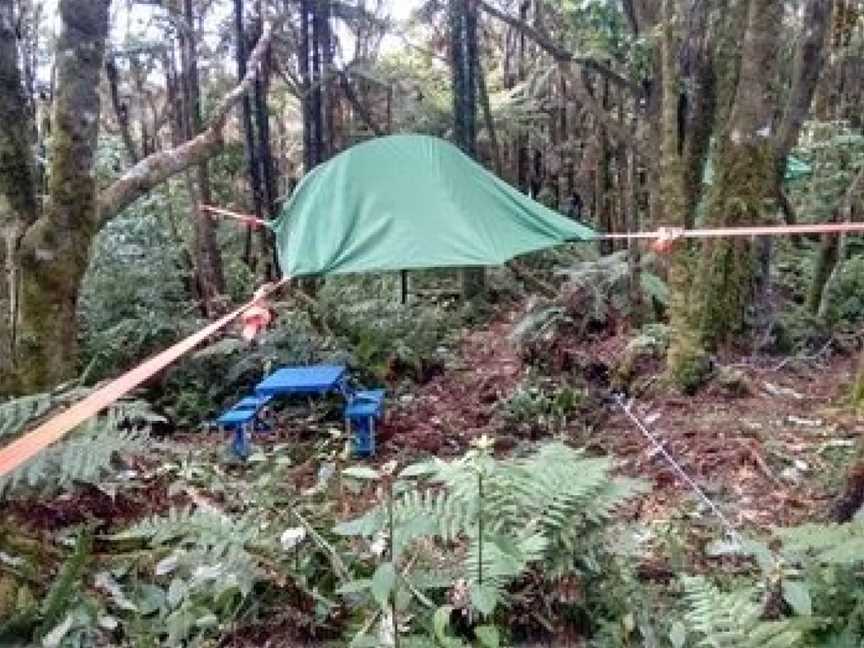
724, 288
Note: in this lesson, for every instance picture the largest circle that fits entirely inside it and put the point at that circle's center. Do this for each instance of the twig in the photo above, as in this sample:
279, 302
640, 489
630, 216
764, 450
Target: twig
804, 358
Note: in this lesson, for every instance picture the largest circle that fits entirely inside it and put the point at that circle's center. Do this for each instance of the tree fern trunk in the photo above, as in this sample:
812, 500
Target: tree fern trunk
17, 187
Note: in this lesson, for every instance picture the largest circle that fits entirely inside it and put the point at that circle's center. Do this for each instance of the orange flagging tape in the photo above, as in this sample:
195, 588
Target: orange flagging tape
244, 218
23, 449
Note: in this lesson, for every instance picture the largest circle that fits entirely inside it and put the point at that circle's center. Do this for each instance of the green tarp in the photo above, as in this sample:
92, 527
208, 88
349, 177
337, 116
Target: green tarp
795, 170
410, 201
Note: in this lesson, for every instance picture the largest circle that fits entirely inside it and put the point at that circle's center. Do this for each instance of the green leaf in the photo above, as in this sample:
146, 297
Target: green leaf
149, 599
440, 623
796, 594
383, 581
176, 592
678, 635
488, 636
355, 586
484, 598
179, 623
209, 620
53, 638
418, 470
361, 472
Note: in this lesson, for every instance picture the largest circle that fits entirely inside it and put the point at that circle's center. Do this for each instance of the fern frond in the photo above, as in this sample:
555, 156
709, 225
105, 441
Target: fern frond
16, 414
196, 527
733, 620
62, 593
828, 544
84, 457
504, 558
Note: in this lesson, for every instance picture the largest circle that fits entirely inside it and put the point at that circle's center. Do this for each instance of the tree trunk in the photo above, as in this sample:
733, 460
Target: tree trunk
306, 85
745, 184
121, 110
210, 279
685, 359
18, 207
830, 253
252, 165
268, 174
464, 57
54, 252
316, 90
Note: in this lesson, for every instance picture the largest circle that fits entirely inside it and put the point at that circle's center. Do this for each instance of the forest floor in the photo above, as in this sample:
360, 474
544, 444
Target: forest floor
770, 450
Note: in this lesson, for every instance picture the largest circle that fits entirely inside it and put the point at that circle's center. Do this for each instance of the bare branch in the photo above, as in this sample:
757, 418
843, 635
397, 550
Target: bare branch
355, 102
158, 167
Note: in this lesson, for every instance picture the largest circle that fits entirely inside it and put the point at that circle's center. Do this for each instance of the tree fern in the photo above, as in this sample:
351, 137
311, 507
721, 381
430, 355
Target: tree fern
733, 620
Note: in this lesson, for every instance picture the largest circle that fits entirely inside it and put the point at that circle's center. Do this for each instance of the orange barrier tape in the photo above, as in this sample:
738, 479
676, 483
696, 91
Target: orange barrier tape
244, 218
21, 450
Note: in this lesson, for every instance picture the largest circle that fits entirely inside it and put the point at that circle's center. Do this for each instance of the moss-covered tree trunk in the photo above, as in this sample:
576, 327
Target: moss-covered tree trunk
685, 356
17, 187
54, 252
745, 184
50, 247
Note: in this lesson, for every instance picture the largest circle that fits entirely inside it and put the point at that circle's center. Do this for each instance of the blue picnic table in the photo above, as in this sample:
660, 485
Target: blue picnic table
362, 407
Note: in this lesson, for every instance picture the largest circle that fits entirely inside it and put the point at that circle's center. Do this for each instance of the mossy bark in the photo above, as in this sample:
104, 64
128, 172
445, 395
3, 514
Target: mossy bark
55, 251
745, 184
684, 358
52, 252
17, 186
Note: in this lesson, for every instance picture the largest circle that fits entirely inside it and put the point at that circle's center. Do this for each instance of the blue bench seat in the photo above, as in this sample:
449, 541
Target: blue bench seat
242, 417
363, 410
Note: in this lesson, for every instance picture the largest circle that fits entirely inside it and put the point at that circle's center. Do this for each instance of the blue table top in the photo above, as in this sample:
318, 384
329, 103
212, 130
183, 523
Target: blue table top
313, 379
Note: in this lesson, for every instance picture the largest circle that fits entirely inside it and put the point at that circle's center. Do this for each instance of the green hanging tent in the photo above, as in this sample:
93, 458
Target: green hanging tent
410, 201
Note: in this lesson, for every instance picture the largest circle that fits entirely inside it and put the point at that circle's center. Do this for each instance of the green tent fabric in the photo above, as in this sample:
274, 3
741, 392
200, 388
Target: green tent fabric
795, 170
410, 201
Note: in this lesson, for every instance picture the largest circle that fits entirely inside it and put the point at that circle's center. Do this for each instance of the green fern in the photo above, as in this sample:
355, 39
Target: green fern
838, 544
85, 457
513, 513
734, 620
63, 592
16, 414
196, 527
